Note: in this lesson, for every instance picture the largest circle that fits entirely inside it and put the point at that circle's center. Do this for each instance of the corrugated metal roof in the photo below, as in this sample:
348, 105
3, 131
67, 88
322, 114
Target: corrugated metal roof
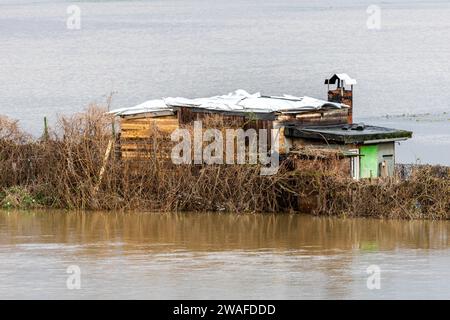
238, 101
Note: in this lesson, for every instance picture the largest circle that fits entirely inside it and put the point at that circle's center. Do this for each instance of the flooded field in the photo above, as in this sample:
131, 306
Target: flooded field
212, 256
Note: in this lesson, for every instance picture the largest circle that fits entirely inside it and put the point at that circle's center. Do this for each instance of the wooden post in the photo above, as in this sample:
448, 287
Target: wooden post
102, 169
45, 136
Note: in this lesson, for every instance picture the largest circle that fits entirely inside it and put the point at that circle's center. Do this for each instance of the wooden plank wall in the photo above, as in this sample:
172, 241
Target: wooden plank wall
186, 117
345, 97
138, 136
316, 118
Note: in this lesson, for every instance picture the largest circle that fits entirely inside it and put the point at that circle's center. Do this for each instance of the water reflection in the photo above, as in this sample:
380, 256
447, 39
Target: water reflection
190, 256
222, 231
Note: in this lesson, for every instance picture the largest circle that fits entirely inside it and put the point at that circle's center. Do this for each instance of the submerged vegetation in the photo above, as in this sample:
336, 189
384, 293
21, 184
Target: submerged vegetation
74, 166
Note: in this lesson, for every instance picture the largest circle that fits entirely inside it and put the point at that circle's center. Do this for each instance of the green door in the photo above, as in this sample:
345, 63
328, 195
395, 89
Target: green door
369, 161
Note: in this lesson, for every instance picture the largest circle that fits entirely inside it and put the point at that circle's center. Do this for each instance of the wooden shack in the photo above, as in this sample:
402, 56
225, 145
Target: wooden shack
300, 121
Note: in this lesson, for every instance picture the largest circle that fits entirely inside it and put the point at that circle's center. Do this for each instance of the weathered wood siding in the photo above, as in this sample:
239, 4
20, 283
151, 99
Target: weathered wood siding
138, 136
315, 118
137, 133
186, 117
341, 95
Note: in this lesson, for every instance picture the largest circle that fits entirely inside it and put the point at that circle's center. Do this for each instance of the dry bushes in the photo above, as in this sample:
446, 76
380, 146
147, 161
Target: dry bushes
61, 171
10, 131
424, 195
73, 169
76, 167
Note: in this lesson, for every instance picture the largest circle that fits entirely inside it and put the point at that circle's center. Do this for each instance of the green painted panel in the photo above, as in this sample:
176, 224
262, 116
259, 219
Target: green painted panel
369, 161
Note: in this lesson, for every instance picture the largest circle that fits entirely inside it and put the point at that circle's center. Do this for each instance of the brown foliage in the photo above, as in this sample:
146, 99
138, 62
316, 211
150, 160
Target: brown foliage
68, 170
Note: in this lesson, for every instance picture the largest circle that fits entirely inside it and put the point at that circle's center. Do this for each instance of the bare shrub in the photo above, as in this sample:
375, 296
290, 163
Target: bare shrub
76, 167
11, 132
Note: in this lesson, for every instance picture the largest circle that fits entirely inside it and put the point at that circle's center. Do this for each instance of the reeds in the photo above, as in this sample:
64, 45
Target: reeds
74, 166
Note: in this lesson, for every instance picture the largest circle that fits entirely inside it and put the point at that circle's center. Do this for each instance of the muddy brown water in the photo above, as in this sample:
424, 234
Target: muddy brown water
220, 256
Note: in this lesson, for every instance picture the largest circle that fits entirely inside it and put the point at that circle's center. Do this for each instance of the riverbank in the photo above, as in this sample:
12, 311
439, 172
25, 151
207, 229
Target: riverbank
73, 166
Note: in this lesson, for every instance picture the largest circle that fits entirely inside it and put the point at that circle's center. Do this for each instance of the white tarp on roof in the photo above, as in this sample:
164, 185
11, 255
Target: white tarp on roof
238, 101
150, 106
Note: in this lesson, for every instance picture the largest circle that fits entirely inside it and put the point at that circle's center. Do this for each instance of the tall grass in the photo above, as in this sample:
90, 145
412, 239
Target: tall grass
71, 168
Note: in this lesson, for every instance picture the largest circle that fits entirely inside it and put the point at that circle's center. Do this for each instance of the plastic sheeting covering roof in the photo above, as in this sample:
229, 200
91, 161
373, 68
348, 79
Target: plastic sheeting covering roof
238, 101
151, 106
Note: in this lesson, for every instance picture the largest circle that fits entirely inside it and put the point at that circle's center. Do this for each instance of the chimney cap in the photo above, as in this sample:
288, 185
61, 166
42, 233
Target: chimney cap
342, 77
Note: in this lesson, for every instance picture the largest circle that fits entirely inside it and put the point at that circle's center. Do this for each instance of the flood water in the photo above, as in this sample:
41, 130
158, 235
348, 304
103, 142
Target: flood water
212, 256
431, 137
150, 49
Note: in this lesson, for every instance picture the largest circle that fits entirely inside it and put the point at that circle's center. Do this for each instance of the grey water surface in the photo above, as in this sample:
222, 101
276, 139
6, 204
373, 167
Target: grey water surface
157, 48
